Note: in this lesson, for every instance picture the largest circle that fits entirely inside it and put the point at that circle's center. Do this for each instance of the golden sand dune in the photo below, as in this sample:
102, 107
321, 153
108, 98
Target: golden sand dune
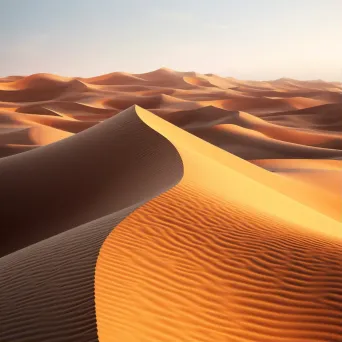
260, 105
196, 81
36, 81
324, 176
39, 87
117, 225
234, 131
151, 101
222, 256
120, 78
326, 117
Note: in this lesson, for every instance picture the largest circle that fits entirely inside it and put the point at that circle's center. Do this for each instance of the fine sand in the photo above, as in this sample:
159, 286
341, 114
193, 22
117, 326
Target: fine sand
296, 119
122, 221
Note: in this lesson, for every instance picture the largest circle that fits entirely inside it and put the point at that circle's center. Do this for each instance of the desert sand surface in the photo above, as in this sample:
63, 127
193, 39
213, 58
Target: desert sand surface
170, 206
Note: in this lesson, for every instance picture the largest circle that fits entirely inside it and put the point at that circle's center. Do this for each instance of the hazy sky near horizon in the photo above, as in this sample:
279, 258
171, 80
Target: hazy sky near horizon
248, 39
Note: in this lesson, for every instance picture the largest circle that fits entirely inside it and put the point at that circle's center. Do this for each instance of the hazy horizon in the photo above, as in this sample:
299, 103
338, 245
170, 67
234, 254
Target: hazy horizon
249, 40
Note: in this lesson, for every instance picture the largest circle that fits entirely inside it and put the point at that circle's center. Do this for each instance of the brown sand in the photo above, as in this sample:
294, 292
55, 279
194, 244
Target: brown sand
306, 113
234, 252
47, 288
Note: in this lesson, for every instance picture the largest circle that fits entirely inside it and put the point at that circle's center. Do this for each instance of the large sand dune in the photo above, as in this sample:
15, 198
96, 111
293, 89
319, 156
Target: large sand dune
121, 221
223, 256
59, 203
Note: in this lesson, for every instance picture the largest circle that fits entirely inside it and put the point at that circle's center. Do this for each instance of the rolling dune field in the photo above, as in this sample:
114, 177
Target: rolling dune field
170, 206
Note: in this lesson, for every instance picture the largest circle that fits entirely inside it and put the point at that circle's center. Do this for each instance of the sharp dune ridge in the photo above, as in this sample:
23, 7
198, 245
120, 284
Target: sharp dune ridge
48, 261
205, 262
170, 206
96, 155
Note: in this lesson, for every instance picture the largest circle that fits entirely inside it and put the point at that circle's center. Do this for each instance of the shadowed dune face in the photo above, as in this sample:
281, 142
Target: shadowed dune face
120, 221
96, 156
47, 276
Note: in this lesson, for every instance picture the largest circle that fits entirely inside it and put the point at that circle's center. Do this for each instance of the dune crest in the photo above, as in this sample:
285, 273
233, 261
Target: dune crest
170, 206
180, 266
48, 261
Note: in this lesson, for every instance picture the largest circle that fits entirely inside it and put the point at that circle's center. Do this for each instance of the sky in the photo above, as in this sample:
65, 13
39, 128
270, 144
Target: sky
247, 39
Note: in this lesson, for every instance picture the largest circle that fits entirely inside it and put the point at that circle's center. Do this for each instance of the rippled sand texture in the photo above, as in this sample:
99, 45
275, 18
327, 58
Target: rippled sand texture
125, 224
222, 256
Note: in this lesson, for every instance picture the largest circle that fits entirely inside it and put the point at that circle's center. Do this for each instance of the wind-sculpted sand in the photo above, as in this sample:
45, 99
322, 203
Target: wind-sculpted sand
222, 256
121, 221
297, 119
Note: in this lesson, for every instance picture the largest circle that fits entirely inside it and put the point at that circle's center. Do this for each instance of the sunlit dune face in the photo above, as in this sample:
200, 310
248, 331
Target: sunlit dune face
189, 267
324, 177
212, 259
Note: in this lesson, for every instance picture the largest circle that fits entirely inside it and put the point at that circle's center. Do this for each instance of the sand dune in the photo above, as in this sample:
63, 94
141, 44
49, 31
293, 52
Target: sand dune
37, 81
120, 78
235, 130
219, 257
89, 154
12, 149
196, 81
326, 175
311, 105
61, 123
39, 87
52, 201
265, 104
121, 221
326, 117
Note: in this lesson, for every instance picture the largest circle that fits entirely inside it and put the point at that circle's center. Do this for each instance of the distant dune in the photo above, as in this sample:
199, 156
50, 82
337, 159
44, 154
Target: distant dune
313, 106
170, 206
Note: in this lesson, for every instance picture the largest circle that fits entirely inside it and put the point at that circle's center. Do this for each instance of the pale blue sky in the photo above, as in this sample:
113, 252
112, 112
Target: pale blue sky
249, 39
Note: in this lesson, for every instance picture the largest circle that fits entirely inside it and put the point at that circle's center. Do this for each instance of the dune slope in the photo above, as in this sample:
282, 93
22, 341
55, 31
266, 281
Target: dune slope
121, 221
222, 256
79, 179
305, 113
47, 288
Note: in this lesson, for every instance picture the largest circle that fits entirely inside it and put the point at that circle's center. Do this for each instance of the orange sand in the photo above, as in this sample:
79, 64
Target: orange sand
223, 256
246, 247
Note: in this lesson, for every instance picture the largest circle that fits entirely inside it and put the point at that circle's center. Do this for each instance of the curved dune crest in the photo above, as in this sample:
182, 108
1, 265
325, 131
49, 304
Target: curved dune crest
47, 288
36, 81
189, 264
114, 78
234, 131
98, 155
39, 87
